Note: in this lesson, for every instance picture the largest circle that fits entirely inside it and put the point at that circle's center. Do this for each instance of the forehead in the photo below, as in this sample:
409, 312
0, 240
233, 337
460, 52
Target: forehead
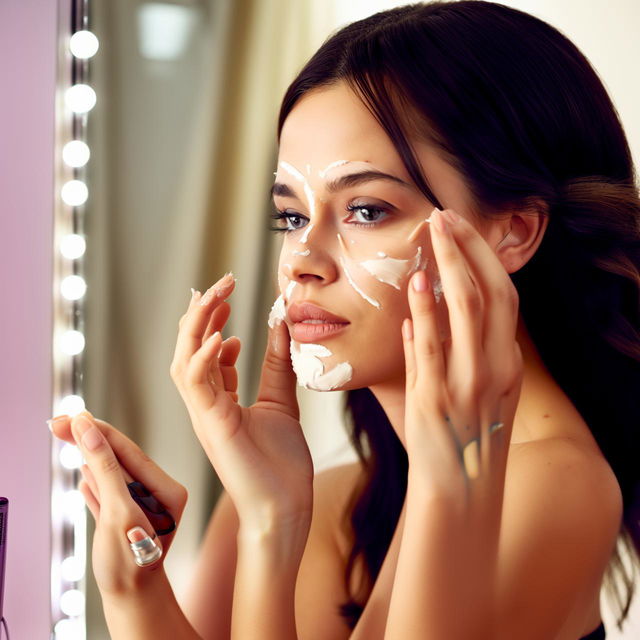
332, 123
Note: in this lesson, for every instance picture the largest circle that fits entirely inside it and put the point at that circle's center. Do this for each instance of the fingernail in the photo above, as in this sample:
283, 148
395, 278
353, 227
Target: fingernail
92, 438
219, 289
145, 550
439, 222
52, 420
420, 282
451, 216
407, 331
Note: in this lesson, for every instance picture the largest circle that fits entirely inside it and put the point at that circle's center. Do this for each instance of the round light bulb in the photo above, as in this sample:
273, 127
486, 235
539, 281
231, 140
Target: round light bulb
68, 629
73, 287
72, 602
72, 342
70, 456
73, 503
83, 44
80, 98
76, 153
74, 193
73, 246
70, 405
72, 569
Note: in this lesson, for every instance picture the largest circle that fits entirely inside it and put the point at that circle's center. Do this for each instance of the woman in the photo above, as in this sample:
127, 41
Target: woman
461, 254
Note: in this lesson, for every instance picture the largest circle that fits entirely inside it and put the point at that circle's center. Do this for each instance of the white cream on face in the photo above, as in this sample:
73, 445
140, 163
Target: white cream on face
390, 270
278, 312
305, 235
309, 369
358, 290
306, 252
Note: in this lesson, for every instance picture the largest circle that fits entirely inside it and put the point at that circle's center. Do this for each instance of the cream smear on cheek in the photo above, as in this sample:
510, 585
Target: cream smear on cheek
305, 357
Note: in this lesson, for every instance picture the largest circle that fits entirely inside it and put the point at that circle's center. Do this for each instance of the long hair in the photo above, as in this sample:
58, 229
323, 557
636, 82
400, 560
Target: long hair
518, 110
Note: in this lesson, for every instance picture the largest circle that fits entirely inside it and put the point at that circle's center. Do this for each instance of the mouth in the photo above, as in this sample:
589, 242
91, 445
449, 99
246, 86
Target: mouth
311, 322
314, 330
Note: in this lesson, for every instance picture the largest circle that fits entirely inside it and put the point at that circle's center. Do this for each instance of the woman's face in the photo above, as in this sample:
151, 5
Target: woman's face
352, 244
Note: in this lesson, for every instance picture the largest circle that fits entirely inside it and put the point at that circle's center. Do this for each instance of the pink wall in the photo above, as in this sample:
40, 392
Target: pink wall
27, 82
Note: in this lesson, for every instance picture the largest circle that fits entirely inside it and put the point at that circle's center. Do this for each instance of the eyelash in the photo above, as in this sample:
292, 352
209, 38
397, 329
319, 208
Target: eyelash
281, 215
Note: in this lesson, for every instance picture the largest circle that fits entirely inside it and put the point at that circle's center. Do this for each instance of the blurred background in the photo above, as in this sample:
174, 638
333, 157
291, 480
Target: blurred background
183, 150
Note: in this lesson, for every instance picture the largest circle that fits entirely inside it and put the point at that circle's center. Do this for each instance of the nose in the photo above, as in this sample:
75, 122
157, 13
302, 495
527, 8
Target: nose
314, 259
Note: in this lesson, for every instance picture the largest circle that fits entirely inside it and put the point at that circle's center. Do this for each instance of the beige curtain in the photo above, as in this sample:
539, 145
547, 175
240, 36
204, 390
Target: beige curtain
183, 154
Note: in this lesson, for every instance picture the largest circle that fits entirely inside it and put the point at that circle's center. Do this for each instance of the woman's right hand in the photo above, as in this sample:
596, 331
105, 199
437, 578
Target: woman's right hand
259, 452
112, 463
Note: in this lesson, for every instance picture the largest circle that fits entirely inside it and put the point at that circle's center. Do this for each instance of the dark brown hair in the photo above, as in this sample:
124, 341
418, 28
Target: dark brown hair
518, 110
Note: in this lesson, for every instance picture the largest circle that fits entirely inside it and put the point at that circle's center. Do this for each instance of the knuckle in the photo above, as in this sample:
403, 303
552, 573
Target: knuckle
175, 370
182, 493
109, 464
469, 302
506, 294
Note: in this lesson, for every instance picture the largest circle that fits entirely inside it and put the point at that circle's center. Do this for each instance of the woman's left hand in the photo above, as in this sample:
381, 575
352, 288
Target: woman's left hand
462, 394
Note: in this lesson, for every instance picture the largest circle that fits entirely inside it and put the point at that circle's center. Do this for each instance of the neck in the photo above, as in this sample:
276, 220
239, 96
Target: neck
391, 394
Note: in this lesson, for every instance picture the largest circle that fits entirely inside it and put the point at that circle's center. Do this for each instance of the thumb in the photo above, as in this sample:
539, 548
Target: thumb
278, 380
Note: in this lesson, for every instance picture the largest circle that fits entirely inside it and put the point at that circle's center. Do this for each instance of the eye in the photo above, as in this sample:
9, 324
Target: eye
368, 215
293, 221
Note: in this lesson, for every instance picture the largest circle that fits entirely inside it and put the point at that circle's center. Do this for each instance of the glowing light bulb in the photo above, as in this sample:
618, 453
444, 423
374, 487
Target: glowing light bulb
73, 287
72, 569
70, 456
80, 98
67, 629
76, 153
72, 342
73, 503
72, 602
73, 246
74, 193
83, 44
71, 405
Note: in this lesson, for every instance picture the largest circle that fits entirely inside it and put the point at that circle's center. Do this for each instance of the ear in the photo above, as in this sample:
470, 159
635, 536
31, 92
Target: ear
516, 238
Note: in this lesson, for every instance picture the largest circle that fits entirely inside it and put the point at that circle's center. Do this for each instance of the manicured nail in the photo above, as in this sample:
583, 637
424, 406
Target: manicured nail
54, 419
451, 216
407, 331
145, 550
92, 438
439, 222
219, 289
420, 282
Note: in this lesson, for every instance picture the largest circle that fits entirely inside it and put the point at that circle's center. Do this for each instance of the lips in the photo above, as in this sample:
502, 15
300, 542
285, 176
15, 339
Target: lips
319, 324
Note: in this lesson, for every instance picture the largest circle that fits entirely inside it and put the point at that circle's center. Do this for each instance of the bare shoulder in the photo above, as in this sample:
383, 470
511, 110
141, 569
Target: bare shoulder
578, 464
560, 519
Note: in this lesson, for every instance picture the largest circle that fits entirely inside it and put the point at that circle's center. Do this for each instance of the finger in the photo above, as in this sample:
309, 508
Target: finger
101, 460
227, 362
137, 465
92, 504
90, 480
429, 357
194, 324
498, 291
147, 549
218, 319
203, 372
464, 303
409, 354
278, 380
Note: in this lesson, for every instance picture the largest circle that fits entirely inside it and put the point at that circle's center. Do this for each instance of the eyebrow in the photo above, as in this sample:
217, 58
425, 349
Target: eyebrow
343, 182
